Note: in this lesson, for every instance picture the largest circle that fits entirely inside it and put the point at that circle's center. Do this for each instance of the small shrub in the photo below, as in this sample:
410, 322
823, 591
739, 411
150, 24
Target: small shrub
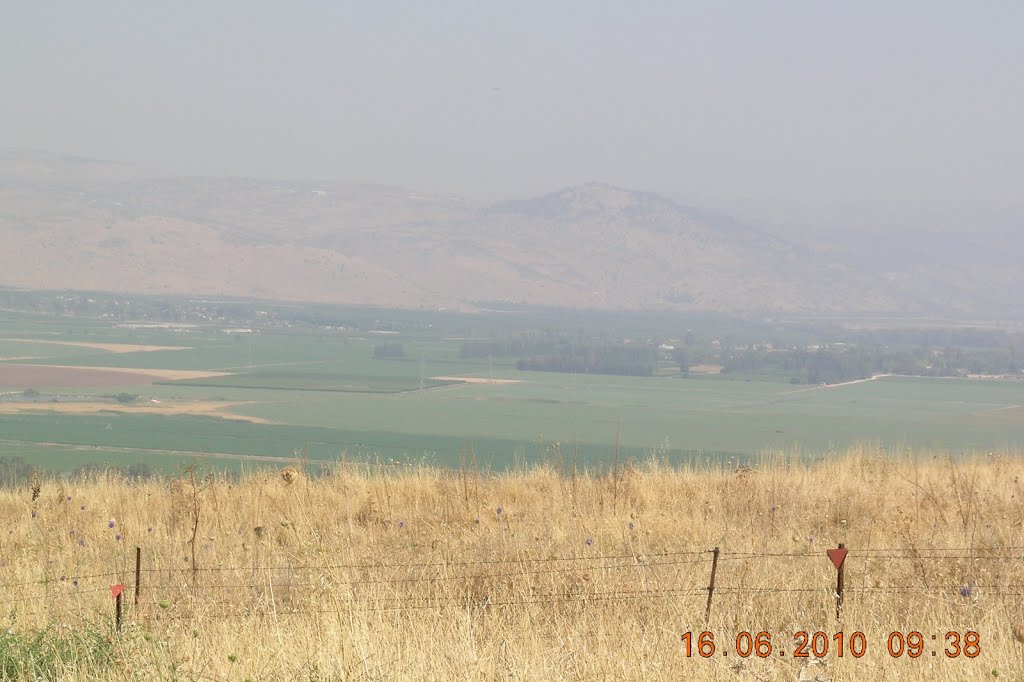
388, 350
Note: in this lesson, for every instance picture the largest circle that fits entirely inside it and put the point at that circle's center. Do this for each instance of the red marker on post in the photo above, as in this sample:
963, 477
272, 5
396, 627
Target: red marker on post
838, 558
116, 593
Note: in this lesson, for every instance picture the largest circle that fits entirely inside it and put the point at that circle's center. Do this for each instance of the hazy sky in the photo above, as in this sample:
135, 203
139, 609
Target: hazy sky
820, 101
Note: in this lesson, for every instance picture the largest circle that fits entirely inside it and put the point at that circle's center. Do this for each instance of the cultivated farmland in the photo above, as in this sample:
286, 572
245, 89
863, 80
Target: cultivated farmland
200, 391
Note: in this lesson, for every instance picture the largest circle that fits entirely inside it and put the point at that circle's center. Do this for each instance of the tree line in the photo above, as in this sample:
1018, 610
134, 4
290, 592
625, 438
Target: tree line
563, 353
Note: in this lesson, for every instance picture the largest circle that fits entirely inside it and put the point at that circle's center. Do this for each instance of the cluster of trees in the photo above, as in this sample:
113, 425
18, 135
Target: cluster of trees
625, 359
552, 352
15, 472
510, 347
388, 349
964, 337
865, 354
829, 366
954, 361
834, 365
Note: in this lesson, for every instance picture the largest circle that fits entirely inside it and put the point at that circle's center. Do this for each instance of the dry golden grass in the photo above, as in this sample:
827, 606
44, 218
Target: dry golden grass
417, 573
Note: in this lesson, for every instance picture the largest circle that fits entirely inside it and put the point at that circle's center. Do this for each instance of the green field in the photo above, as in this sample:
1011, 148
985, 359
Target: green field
323, 394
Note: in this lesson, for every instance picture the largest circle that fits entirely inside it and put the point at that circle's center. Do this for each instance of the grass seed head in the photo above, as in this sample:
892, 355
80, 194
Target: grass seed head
289, 475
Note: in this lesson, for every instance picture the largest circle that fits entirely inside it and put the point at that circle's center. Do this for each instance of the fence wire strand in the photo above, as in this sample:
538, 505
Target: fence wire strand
265, 593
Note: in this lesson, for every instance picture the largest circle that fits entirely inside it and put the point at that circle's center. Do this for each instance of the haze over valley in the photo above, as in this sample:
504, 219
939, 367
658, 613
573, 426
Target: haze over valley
72, 223
463, 340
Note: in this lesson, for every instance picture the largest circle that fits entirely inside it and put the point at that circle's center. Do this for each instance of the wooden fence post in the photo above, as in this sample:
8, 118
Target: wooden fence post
117, 592
138, 573
711, 584
839, 584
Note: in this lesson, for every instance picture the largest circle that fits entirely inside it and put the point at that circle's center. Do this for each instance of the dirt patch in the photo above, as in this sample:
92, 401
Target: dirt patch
62, 376
477, 380
206, 408
112, 347
705, 369
817, 387
45, 376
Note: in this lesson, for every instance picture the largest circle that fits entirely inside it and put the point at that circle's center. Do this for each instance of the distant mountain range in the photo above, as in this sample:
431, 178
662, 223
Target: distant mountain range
70, 223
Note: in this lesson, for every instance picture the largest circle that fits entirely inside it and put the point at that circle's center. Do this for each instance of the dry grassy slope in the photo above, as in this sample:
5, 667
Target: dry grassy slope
69, 224
170, 255
424, 574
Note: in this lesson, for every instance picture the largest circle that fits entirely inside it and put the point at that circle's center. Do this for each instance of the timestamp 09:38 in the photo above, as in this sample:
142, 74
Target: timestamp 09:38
913, 644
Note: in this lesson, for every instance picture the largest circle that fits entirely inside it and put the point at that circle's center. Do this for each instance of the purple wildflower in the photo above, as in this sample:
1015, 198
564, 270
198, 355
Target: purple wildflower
34, 513
71, 532
81, 542
118, 537
590, 541
112, 524
501, 510
401, 524
966, 591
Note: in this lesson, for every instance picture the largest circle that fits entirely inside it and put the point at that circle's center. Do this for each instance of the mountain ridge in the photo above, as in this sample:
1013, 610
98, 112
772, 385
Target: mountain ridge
80, 224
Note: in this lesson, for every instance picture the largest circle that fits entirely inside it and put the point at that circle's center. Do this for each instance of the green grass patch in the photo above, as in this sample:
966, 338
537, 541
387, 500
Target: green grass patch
343, 383
66, 442
45, 654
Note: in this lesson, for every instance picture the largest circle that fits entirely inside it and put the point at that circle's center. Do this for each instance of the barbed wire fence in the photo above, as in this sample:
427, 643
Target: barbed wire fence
305, 588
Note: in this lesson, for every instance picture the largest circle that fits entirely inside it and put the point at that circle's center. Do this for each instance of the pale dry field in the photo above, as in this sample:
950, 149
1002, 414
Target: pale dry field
204, 408
111, 347
145, 373
422, 574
